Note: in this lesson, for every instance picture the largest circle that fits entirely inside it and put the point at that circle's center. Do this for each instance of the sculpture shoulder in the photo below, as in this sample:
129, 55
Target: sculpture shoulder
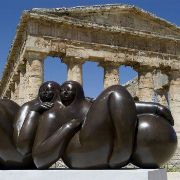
8, 103
29, 104
9, 106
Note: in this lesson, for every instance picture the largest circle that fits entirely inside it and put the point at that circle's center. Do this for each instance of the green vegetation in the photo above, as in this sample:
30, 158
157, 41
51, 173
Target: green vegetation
170, 168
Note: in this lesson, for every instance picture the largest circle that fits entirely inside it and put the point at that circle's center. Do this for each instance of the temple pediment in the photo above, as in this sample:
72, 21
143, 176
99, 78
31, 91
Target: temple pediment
117, 16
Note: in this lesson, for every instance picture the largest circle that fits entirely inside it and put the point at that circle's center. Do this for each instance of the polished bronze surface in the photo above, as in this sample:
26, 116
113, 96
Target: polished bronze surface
105, 138
156, 109
18, 127
156, 142
107, 132
58, 125
10, 158
29, 114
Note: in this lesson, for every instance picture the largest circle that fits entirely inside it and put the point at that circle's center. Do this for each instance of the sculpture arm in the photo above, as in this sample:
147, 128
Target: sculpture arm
154, 108
48, 151
19, 120
27, 133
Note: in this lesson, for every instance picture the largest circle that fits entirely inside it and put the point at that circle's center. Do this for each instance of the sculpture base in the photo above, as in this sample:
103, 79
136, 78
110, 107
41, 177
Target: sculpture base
123, 174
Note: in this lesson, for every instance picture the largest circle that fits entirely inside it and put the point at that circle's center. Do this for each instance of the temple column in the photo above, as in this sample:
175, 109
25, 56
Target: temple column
145, 84
74, 68
22, 83
16, 89
174, 97
174, 103
16, 79
161, 86
111, 73
162, 96
34, 73
8, 94
12, 90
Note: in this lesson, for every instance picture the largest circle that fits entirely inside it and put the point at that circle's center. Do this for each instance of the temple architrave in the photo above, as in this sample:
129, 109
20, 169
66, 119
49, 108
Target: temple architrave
112, 35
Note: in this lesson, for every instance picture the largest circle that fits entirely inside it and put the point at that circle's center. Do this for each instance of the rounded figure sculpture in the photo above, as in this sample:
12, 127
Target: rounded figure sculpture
29, 114
108, 132
156, 139
87, 135
10, 158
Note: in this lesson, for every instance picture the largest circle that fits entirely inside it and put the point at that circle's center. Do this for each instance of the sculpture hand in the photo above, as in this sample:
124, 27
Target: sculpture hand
41, 107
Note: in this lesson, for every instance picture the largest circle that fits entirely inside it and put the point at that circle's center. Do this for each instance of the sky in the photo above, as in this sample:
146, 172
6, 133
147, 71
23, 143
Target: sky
11, 10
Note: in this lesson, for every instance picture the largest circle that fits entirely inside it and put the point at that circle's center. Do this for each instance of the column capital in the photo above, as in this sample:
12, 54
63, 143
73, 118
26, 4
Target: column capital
32, 55
73, 60
144, 69
111, 73
74, 68
106, 64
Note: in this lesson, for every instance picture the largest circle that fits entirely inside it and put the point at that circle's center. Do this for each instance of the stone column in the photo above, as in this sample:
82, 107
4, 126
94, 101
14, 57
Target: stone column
12, 90
22, 83
161, 86
174, 97
16, 92
162, 96
16, 79
8, 94
174, 104
34, 73
74, 68
145, 84
111, 73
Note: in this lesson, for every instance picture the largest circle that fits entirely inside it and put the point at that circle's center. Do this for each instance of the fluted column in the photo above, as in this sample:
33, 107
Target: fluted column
174, 103
8, 94
161, 86
111, 73
16, 89
34, 73
145, 84
174, 98
12, 90
162, 96
74, 68
22, 83
16, 79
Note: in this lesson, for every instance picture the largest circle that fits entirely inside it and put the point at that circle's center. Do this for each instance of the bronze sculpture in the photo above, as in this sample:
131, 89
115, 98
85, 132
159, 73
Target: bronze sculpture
156, 139
17, 130
108, 132
106, 136
29, 114
59, 124
10, 158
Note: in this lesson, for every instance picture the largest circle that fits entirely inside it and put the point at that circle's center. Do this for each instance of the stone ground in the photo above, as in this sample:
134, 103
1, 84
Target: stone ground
173, 175
170, 175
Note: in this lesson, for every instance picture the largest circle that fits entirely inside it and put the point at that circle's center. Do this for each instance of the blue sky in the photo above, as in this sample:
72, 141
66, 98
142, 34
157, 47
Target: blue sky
11, 10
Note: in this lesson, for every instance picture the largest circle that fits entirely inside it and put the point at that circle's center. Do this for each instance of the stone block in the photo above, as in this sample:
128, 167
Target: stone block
123, 174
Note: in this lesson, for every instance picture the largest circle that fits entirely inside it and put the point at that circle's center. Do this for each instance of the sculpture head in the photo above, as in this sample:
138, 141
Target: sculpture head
49, 91
70, 92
